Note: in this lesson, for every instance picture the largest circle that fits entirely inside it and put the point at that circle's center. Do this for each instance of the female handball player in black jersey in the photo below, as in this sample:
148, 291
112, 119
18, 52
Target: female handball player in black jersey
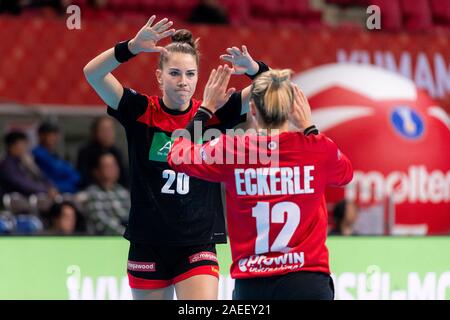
175, 220
276, 213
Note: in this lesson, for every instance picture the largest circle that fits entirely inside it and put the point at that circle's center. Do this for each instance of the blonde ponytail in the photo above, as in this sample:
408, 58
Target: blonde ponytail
273, 96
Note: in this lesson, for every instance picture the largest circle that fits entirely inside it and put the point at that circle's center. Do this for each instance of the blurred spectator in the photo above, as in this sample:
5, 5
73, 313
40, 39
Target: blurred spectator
60, 172
108, 203
209, 12
64, 218
19, 172
102, 139
345, 214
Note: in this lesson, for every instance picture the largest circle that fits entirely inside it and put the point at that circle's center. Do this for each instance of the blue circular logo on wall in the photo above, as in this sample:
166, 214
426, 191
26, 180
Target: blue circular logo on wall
407, 122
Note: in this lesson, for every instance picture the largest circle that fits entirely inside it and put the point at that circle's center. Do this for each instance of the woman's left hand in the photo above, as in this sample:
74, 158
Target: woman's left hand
241, 60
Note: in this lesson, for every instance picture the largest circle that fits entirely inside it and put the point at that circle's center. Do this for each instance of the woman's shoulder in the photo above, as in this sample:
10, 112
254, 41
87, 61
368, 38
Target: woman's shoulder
317, 142
132, 96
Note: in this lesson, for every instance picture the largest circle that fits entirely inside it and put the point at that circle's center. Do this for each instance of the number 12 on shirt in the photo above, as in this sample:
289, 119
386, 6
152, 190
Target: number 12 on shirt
265, 216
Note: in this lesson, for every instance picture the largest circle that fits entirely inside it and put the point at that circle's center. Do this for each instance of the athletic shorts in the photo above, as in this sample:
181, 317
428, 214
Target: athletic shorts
156, 266
302, 285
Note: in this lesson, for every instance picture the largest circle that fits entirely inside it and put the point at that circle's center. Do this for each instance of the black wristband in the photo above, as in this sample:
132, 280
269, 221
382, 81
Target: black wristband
207, 111
262, 68
122, 53
311, 130
202, 115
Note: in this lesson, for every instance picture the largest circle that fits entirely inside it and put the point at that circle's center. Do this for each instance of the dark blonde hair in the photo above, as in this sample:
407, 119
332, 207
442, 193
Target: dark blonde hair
182, 42
273, 95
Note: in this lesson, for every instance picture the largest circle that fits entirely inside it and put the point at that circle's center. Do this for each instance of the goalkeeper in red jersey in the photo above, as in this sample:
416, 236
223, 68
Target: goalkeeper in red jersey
276, 213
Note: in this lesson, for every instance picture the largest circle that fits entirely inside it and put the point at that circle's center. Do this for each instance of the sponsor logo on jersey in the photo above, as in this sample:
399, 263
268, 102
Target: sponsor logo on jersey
160, 147
203, 256
262, 263
215, 269
407, 122
272, 145
141, 266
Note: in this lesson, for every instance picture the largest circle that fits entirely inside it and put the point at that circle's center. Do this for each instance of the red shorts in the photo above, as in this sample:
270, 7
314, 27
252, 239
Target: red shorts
158, 266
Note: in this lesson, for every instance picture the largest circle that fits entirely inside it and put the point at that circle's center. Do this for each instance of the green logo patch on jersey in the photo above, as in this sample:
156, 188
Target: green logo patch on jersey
160, 147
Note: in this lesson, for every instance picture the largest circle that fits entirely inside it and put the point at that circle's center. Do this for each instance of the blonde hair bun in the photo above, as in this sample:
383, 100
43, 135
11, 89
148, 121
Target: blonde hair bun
280, 76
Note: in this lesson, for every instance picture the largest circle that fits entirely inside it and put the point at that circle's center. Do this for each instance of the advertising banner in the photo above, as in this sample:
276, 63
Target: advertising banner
51, 60
370, 268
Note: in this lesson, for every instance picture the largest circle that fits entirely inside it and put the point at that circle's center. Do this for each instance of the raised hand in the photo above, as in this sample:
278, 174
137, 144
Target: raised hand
147, 38
241, 60
301, 111
216, 94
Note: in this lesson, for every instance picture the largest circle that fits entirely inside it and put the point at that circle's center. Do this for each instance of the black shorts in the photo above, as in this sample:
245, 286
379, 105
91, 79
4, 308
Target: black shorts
302, 285
159, 266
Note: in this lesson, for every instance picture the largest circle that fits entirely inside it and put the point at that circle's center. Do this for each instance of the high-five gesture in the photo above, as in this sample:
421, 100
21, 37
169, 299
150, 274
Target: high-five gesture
216, 93
241, 60
301, 111
147, 38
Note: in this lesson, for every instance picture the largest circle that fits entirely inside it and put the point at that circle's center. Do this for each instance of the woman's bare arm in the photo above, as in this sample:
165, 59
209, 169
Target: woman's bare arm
98, 70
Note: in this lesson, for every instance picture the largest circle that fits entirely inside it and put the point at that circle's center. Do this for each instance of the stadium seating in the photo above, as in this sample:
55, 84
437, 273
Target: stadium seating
7, 223
237, 10
29, 215
283, 12
417, 17
348, 3
440, 10
298, 12
16, 203
28, 224
40, 203
391, 14
341, 3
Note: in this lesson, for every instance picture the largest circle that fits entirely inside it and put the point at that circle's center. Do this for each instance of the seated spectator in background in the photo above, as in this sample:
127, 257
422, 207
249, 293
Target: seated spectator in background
209, 12
103, 139
60, 172
345, 214
64, 218
108, 203
19, 172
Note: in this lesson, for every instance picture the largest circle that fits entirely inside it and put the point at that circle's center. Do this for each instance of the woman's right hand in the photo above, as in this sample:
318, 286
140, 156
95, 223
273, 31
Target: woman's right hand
216, 94
147, 38
242, 61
